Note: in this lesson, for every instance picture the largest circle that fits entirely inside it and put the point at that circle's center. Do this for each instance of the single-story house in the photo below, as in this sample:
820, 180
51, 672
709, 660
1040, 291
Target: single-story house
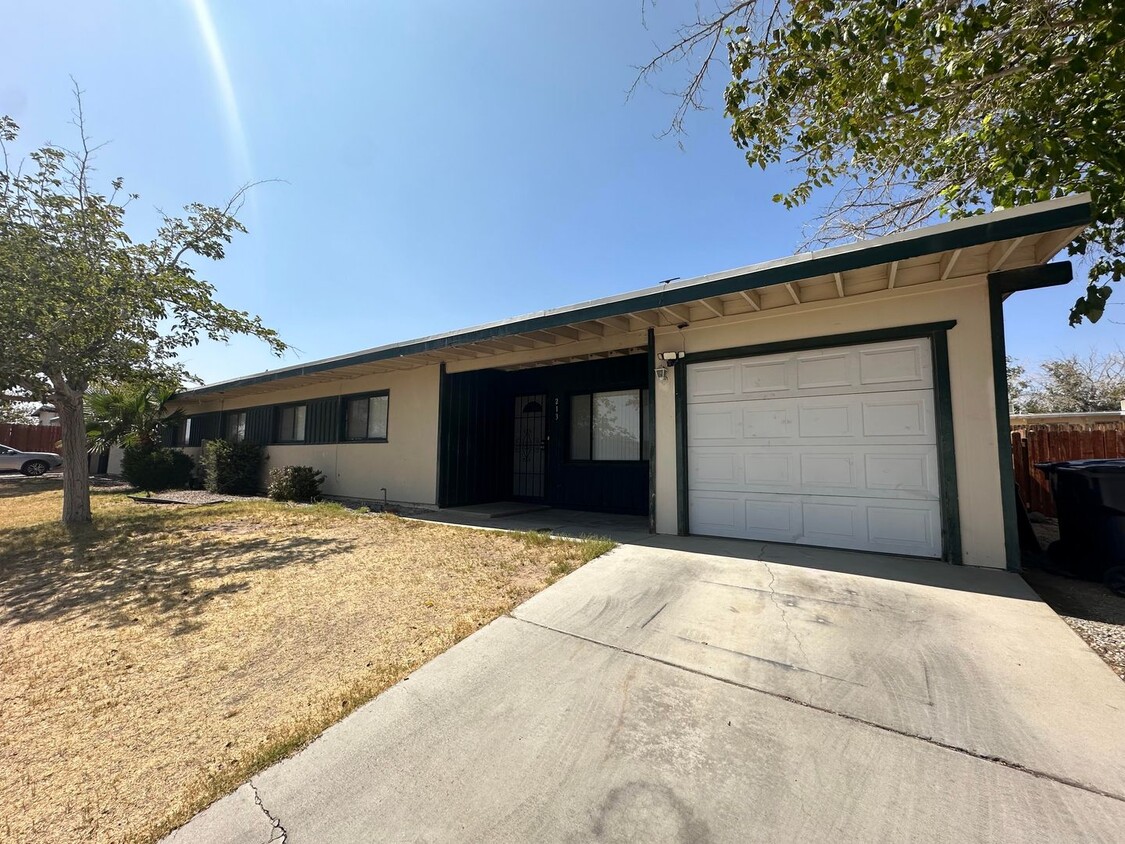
853, 397
45, 414
1091, 420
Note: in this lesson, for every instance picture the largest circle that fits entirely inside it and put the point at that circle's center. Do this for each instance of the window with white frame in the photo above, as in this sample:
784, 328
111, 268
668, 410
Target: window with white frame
291, 424
236, 426
365, 417
609, 425
185, 431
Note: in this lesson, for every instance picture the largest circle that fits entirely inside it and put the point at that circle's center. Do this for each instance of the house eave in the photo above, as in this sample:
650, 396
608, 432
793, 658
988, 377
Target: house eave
1060, 219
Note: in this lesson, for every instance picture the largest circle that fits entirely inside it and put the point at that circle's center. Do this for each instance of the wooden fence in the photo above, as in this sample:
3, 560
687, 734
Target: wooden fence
1046, 445
31, 437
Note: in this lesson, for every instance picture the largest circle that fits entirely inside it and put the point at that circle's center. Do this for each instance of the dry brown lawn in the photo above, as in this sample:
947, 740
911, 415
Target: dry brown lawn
152, 662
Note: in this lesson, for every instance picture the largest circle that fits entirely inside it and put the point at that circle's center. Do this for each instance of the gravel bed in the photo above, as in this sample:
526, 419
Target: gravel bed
1091, 609
185, 496
1095, 613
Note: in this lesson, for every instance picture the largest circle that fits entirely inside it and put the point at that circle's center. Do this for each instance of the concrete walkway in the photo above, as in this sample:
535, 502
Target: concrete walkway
691, 694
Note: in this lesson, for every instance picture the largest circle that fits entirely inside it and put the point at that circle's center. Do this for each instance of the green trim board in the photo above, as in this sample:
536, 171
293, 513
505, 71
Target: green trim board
443, 409
1067, 213
852, 338
947, 451
1003, 428
680, 377
943, 410
1000, 285
1032, 278
650, 434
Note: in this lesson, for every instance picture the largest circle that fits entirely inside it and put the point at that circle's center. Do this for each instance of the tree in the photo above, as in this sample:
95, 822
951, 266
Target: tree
1018, 385
83, 303
129, 415
911, 108
1074, 384
16, 412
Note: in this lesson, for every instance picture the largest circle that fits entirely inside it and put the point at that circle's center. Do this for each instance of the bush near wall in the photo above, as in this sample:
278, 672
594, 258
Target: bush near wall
152, 469
295, 483
231, 468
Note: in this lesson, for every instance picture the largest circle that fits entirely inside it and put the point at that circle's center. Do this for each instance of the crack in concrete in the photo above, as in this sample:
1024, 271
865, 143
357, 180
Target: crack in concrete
781, 608
274, 820
964, 751
654, 615
795, 596
783, 665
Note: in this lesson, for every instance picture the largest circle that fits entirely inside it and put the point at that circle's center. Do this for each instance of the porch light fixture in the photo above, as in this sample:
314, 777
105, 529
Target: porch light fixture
662, 375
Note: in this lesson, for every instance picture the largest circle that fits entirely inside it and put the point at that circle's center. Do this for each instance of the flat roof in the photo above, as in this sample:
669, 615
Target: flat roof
1071, 212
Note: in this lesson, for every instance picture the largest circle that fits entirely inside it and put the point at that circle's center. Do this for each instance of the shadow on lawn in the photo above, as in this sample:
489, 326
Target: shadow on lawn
109, 574
14, 485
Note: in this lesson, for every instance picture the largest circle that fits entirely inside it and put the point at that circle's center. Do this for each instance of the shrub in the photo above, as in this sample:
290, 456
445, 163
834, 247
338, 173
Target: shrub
156, 467
231, 468
295, 483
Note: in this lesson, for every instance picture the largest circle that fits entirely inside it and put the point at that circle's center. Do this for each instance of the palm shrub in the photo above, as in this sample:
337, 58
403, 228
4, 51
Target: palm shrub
295, 483
231, 468
129, 415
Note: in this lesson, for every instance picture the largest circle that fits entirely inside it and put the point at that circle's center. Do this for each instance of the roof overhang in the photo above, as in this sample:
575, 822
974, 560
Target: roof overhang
986, 244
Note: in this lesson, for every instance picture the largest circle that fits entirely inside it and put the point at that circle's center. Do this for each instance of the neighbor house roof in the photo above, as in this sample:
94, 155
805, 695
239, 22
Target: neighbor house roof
1001, 240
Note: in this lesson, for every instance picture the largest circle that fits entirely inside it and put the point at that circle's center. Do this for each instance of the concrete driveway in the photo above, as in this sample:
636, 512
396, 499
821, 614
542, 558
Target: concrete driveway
687, 693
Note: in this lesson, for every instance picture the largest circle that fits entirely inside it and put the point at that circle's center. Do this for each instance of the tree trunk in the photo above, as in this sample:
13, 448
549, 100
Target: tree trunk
75, 457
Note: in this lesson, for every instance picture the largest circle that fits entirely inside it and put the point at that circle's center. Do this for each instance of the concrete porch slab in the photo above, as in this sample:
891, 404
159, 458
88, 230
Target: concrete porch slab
494, 510
558, 522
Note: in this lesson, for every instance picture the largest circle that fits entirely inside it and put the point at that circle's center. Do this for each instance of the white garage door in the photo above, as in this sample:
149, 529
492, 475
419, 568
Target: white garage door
834, 447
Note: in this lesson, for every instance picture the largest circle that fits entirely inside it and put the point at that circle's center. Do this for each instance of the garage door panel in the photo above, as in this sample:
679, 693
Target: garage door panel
774, 469
764, 376
834, 447
776, 519
824, 419
718, 515
769, 421
817, 371
902, 470
901, 417
893, 527
899, 364
712, 381
883, 367
834, 470
871, 471
900, 529
716, 469
833, 522
715, 424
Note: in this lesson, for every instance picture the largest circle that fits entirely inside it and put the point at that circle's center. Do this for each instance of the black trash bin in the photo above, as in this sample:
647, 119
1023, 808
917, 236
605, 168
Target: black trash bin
1090, 502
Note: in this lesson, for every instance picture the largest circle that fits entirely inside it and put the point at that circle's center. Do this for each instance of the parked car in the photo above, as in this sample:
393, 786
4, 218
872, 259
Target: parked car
31, 463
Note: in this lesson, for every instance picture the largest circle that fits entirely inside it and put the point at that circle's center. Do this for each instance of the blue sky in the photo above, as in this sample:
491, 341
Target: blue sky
443, 163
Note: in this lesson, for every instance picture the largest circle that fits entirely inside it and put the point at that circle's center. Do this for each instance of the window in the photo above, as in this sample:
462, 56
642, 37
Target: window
236, 426
608, 426
291, 424
365, 417
185, 432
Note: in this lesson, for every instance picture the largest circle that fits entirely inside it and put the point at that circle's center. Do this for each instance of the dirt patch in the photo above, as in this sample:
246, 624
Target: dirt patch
155, 660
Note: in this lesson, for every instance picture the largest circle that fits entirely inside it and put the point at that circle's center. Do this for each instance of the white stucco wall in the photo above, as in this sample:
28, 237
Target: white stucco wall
970, 373
405, 465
